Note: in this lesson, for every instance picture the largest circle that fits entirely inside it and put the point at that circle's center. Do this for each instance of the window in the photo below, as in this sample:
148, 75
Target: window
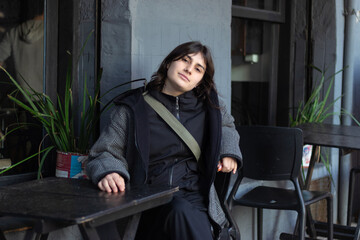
22, 54
254, 57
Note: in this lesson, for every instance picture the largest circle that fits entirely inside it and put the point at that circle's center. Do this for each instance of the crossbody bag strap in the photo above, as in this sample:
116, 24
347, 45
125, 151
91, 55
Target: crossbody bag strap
174, 123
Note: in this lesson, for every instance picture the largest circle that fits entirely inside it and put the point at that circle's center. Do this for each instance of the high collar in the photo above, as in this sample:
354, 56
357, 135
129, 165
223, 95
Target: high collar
186, 100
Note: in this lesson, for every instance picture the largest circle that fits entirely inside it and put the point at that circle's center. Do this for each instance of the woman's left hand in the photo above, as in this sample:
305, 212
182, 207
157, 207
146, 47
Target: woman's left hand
227, 164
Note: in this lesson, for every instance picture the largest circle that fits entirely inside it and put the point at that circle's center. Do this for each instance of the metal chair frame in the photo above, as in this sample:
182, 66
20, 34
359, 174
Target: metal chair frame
275, 154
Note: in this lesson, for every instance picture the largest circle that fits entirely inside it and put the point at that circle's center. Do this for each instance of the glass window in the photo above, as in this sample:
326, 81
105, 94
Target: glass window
252, 71
21, 54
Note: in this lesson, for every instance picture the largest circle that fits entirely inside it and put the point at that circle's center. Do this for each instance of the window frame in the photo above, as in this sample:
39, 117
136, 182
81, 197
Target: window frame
260, 14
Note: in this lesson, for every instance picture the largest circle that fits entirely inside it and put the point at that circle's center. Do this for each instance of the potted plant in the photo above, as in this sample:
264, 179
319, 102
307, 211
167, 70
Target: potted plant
57, 118
316, 110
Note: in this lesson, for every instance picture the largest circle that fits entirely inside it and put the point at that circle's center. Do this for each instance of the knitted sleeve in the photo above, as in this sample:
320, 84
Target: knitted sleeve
108, 153
230, 137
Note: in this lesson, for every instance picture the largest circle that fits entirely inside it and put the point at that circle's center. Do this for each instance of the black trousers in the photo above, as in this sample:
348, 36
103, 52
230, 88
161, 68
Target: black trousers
184, 218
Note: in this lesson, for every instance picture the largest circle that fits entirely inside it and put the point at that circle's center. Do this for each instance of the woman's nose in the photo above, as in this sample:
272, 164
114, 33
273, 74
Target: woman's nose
188, 69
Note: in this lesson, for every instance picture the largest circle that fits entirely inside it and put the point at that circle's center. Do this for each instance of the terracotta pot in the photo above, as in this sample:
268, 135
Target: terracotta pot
70, 165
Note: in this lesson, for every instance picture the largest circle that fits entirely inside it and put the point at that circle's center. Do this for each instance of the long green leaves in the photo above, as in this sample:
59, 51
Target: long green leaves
58, 119
316, 109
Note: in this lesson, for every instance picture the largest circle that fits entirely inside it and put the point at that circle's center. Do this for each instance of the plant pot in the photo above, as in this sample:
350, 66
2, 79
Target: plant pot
70, 165
307, 150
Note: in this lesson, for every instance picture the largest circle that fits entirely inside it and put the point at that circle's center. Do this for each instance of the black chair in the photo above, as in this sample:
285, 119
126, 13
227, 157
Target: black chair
275, 154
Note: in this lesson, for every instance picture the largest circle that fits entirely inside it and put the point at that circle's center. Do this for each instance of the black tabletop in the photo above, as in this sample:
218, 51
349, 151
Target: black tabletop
74, 201
331, 135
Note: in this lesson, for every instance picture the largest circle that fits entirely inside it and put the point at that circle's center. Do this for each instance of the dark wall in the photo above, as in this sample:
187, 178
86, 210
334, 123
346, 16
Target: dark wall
308, 37
356, 111
285, 67
65, 40
249, 102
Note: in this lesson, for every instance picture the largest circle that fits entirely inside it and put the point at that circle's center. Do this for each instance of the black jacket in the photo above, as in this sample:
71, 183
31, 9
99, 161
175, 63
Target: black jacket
123, 146
138, 157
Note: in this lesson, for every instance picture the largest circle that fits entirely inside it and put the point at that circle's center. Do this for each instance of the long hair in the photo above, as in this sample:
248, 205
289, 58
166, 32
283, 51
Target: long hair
202, 91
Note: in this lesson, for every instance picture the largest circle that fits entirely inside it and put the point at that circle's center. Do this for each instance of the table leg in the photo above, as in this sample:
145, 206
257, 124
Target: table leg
315, 154
88, 232
131, 227
2, 235
41, 236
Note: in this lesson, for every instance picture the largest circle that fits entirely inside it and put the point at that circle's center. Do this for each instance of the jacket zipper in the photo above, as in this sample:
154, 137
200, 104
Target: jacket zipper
177, 115
172, 173
137, 145
137, 149
177, 108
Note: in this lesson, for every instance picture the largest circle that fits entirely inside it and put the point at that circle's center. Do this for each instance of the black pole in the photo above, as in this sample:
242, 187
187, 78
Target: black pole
97, 53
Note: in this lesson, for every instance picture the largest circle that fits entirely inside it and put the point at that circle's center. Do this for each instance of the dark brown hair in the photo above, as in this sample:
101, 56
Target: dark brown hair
202, 91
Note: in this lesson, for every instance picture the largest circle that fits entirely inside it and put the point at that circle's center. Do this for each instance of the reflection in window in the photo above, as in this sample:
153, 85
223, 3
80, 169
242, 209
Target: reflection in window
21, 53
250, 70
270, 5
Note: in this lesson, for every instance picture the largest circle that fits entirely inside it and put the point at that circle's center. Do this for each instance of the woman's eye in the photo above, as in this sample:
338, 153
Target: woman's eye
200, 69
185, 60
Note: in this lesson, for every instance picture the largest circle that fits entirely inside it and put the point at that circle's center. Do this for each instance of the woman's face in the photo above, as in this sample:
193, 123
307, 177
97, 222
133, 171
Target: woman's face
184, 74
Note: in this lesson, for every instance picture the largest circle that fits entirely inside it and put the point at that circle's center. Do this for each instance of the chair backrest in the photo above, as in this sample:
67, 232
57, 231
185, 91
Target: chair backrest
271, 153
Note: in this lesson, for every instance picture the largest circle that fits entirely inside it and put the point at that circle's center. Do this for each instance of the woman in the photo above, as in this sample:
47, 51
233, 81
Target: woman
139, 147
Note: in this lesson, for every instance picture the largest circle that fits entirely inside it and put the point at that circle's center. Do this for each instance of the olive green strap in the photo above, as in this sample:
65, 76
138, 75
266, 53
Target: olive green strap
174, 123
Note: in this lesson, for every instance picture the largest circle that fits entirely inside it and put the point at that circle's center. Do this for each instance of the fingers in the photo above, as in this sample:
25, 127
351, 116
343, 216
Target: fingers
219, 166
228, 164
112, 182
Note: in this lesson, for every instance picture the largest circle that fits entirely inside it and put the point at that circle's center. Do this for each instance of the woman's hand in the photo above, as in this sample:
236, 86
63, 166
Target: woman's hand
112, 182
227, 164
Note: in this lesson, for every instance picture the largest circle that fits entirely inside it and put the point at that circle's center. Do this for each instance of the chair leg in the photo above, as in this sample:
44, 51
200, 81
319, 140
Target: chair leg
351, 194
357, 231
329, 204
301, 220
310, 222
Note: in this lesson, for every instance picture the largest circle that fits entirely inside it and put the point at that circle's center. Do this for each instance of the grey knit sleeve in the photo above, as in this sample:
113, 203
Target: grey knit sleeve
230, 137
108, 153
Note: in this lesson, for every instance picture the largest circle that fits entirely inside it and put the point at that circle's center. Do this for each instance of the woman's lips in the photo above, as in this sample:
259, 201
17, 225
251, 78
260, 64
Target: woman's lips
184, 77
